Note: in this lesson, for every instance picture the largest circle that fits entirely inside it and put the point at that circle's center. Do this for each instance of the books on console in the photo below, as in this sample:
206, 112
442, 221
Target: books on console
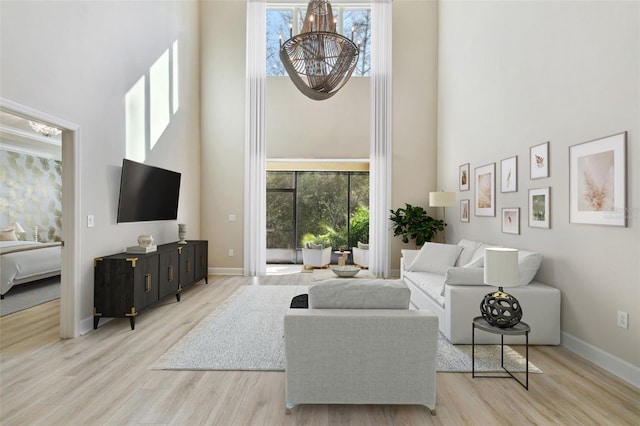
141, 249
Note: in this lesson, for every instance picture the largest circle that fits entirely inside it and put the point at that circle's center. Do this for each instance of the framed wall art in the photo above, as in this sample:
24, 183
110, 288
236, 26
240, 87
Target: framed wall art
464, 210
463, 177
539, 161
539, 211
509, 174
597, 181
511, 220
485, 200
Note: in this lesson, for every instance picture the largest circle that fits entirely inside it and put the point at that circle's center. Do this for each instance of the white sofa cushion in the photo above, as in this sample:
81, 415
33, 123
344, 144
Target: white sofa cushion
435, 257
363, 246
429, 283
528, 264
468, 249
340, 293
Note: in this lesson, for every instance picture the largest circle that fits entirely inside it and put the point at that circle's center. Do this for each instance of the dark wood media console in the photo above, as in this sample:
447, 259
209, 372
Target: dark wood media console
125, 284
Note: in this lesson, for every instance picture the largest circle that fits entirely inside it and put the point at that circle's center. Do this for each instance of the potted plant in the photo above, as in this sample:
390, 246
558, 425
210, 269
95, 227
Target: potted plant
413, 223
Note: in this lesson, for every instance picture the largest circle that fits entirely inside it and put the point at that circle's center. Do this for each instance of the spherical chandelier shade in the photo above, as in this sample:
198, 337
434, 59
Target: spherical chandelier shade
319, 61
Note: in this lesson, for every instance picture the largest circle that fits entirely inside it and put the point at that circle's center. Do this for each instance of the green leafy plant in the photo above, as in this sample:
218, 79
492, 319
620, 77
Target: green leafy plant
359, 224
413, 223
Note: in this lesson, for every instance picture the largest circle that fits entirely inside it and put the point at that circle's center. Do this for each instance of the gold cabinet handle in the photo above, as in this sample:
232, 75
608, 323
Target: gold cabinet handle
188, 265
170, 273
147, 283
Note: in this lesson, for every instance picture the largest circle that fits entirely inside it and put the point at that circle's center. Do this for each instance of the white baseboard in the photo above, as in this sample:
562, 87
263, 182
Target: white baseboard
614, 365
226, 271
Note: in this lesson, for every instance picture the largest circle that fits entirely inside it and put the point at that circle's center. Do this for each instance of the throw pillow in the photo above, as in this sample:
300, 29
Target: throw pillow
468, 249
363, 246
314, 246
408, 256
435, 257
463, 276
8, 235
528, 264
477, 261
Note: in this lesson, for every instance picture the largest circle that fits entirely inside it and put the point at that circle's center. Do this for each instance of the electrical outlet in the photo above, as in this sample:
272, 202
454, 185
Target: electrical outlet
90, 221
232, 218
623, 320
230, 252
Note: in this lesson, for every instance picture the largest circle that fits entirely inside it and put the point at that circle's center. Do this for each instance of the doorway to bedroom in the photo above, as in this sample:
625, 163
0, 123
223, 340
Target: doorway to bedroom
64, 320
30, 213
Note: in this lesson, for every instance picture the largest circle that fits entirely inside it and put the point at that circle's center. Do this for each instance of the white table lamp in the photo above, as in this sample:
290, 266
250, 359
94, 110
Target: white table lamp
498, 308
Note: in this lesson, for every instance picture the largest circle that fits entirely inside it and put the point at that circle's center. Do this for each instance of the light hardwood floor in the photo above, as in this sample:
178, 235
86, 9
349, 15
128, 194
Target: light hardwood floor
104, 377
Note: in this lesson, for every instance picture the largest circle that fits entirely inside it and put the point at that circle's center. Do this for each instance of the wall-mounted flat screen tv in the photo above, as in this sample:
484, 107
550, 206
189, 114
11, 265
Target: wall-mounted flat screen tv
147, 193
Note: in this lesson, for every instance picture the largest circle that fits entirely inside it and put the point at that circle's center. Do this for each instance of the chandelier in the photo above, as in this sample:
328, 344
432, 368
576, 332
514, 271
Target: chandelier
45, 130
319, 61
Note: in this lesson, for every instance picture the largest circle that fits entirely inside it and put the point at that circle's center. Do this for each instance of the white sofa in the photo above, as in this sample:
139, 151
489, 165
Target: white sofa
447, 280
359, 343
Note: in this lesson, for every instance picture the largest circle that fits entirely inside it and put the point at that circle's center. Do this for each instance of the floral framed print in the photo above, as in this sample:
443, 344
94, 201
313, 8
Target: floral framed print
539, 161
511, 220
597, 181
509, 174
464, 210
463, 177
485, 200
539, 211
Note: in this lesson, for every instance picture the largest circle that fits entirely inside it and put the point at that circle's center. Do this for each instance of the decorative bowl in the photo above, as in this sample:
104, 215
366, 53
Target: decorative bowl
345, 271
145, 240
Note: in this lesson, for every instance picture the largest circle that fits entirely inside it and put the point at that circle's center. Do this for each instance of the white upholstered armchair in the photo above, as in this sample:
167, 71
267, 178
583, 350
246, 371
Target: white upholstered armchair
361, 255
359, 343
316, 257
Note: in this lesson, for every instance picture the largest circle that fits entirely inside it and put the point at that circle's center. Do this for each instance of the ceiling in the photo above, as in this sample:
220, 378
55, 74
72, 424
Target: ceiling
17, 135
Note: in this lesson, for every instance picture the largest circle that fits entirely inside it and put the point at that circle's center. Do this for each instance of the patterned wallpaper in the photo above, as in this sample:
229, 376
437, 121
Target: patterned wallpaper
31, 194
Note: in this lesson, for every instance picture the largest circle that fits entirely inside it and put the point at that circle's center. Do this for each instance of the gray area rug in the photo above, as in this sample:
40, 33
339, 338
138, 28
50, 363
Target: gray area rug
28, 295
246, 333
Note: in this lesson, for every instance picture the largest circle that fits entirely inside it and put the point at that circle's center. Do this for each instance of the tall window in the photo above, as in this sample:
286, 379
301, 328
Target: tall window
354, 23
329, 208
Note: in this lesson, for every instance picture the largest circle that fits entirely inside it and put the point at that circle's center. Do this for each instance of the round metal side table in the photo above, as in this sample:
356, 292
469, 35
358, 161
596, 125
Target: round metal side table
522, 328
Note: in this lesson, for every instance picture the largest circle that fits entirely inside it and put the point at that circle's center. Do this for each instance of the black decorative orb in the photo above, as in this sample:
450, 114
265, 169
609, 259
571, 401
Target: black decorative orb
501, 309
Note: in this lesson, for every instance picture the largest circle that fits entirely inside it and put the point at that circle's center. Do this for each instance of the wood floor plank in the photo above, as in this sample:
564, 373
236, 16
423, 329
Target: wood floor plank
105, 378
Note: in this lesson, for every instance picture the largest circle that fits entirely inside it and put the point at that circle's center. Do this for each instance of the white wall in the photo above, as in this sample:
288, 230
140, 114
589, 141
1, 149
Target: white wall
298, 127
76, 60
516, 74
415, 80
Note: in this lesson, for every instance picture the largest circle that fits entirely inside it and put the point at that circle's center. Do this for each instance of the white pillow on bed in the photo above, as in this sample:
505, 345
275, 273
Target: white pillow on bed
8, 234
435, 257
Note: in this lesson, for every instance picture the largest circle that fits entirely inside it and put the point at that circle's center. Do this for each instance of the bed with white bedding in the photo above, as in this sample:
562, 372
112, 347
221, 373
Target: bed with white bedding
26, 261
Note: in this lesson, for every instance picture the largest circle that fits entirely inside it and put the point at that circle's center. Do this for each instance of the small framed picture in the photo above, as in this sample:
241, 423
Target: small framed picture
597, 181
539, 212
539, 161
485, 201
511, 220
464, 210
463, 177
509, 174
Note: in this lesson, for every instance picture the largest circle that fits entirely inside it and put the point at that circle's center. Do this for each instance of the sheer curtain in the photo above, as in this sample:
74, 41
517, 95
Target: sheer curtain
255, 222
381, 134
